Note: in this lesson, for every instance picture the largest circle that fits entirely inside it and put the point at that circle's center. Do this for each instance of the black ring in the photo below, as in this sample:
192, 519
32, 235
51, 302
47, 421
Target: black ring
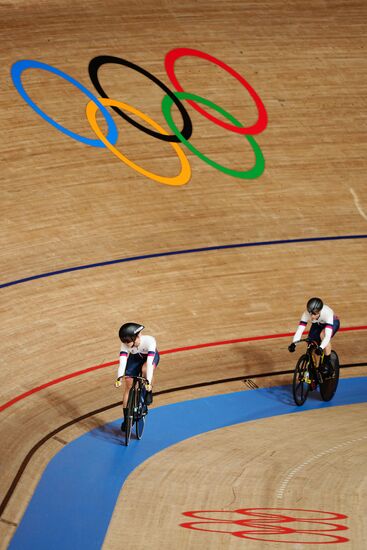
100, 60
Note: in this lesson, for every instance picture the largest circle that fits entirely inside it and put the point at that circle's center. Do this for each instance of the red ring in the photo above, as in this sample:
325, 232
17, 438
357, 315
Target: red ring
262, 121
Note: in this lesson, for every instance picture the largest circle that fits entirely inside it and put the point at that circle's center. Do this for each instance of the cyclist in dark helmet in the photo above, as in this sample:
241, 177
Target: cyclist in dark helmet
129, 331
138, 353
324, 325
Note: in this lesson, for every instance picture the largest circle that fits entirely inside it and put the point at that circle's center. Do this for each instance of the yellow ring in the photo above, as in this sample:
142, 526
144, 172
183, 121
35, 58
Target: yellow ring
182, 178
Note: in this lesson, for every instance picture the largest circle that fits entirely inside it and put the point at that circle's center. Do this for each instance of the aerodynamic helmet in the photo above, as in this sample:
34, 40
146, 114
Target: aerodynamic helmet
129, 331
314, 305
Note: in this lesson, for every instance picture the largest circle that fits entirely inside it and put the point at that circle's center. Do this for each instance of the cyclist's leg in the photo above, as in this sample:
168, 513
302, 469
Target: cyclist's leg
128, 382
123, 424
336, 326
327, 357
326, 363
149, 394
327, 351
146, 397
127, 386
316, 334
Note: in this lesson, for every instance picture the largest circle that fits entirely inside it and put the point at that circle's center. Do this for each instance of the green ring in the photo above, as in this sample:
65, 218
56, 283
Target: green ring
253, 173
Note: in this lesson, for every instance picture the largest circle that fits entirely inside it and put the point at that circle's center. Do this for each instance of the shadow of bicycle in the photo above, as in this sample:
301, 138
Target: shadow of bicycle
110, 433
283, 394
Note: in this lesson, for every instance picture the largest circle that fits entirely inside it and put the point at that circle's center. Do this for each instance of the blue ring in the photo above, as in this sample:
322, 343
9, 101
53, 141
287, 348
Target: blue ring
16, 72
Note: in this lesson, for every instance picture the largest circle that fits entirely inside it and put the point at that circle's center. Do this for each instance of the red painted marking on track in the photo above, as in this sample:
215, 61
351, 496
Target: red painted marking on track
288, 525
164, 352
52, 383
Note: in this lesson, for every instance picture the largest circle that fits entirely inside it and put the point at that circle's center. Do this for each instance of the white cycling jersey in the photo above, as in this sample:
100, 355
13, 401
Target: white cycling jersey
326, 318
147, 347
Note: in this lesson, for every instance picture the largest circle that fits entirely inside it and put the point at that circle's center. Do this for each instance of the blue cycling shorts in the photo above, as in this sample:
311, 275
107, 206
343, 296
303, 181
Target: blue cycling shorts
316, 329
136, 361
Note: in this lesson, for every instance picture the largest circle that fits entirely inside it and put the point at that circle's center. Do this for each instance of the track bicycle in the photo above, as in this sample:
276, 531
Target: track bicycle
136, 408
308, 375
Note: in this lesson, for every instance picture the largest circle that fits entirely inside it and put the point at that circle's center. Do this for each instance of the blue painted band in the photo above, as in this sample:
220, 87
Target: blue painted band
75, 499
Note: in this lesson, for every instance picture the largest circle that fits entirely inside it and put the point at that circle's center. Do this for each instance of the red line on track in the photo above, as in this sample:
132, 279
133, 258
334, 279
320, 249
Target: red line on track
164, 352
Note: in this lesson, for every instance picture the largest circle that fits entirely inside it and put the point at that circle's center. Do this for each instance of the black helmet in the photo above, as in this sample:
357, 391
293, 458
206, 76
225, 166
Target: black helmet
129, 331
314, 305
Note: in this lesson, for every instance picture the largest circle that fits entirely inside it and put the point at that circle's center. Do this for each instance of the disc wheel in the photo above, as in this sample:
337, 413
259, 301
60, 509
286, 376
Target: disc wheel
330, 383
141, 411
139, 427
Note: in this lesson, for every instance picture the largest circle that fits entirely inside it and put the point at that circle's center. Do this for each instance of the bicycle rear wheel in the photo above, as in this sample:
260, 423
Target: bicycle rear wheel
330, 383
139, 427
129, 420
300, 386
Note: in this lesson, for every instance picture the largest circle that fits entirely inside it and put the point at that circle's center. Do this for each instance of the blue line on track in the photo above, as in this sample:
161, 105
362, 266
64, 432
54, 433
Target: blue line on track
178, 252
74, 501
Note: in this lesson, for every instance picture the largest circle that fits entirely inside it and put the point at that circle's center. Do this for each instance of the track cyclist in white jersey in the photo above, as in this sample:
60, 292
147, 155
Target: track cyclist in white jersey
138, 356
324, 325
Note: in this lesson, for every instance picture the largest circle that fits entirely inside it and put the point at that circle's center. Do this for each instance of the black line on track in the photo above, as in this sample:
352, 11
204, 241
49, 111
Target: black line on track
54, 432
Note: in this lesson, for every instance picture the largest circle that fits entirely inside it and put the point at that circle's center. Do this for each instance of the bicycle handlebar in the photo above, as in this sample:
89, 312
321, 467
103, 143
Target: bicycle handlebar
118, 382
308, 340
142, 378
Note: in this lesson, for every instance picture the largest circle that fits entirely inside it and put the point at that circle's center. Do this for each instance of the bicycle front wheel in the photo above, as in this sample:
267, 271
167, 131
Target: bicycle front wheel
330, 383
129, 420
301, 382
140, 416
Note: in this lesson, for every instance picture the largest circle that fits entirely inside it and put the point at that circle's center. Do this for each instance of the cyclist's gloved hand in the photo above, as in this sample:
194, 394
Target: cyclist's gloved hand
292, 347
118, 383
319, 350
148, 386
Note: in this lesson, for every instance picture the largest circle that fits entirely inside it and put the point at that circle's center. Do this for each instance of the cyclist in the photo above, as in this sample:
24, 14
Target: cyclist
138, 354
324, 325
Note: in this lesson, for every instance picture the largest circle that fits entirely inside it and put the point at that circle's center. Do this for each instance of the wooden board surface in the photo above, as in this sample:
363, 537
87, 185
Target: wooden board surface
77, 209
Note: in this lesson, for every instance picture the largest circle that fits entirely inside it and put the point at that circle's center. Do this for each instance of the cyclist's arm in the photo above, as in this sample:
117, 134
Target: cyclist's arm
328, 328
150, 366
122, 365
301, 327
151, 344
327, 337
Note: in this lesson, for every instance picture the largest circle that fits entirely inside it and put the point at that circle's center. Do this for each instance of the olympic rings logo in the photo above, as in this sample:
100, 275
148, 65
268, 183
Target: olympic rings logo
153, 128
293, 526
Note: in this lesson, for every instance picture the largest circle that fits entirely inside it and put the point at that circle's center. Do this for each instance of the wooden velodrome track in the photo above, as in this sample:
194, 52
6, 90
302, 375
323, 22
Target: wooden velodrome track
229, 259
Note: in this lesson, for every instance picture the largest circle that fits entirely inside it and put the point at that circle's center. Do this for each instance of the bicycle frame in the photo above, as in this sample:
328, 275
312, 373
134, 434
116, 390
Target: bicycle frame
135, 405
315, 360
307, 375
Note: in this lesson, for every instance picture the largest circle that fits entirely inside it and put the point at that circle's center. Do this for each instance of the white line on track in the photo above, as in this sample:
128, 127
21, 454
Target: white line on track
292, 473
356, 202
